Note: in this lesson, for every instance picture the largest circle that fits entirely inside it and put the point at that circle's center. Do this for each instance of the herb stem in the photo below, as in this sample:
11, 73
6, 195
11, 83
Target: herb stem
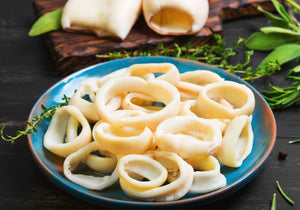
283, 193
273, 205
30, 126
294, 141
47, 113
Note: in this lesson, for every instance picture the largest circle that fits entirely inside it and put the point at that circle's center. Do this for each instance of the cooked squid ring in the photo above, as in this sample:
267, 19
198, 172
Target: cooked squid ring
182, 180
189, 108
143, 166
191, 83
163, 91
88, 181
122, 140
176, 17
87, 108
188, 136
72, 129
171, 73
103, 164
54, 138
225, 100
237, 142
207, 175
137, 101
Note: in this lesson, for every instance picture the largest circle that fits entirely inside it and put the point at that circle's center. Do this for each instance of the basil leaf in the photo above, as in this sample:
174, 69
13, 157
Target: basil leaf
271, 29
280, 9
276, 21
280, 55
49, 22
265, 42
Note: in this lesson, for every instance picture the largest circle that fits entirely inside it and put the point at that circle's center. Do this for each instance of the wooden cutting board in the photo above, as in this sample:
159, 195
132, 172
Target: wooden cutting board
74, 51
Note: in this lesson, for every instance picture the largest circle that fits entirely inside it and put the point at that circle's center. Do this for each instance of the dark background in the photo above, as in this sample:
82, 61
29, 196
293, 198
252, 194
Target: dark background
27, 70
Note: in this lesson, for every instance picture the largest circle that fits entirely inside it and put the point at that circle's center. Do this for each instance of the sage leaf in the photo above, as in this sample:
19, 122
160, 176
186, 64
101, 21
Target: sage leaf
265, 42
275, 20
294, 70
49, 22
280, 9
272, 29
280, 55
294, 4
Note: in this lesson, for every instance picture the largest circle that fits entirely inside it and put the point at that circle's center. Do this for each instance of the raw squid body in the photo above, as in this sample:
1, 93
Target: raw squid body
106, 18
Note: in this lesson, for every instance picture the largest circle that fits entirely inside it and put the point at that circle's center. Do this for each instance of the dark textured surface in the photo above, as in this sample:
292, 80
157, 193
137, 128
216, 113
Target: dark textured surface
27, 70
71, 52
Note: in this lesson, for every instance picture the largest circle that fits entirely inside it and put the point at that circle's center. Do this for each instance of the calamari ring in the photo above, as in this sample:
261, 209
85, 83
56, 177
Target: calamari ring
171, 73
188, 136
142, 102
143, 166
87, 108
207, 175
237, 142
189, 108
88, 181
192, 82
54, 137
225, 100
163, 91
170, 191
72, 129
106, 163
122, 140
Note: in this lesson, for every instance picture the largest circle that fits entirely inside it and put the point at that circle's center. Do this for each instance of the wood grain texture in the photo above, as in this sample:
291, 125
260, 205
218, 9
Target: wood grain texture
73, 51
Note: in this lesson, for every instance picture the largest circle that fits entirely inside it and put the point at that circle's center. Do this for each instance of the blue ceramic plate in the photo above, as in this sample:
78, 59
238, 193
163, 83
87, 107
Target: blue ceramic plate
263, 123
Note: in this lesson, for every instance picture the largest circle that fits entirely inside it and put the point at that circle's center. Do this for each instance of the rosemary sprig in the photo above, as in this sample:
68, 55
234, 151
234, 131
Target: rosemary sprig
283, 194
279, 98
31, 126
294, 141
273, 205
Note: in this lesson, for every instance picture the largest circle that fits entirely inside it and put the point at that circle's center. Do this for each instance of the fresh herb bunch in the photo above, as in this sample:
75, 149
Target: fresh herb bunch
282, 40
31, 126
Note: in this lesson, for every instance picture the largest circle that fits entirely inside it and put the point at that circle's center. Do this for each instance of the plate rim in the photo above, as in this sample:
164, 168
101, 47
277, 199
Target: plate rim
204, 198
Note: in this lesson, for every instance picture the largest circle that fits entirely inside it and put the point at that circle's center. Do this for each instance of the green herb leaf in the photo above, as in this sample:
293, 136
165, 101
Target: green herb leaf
294, 4
280, 9
283, 193
265, 42
279, 30
280, 55
49, 22
293, 71
276, 21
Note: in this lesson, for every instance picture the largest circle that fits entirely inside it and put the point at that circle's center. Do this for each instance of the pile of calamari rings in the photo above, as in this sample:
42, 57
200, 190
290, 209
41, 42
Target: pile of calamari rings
158, 132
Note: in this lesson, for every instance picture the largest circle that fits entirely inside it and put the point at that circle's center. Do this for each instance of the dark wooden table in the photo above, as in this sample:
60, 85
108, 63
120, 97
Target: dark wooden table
27, 70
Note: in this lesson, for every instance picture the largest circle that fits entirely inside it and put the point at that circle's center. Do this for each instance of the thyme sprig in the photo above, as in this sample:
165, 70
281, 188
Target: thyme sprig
31, 126
214, 54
